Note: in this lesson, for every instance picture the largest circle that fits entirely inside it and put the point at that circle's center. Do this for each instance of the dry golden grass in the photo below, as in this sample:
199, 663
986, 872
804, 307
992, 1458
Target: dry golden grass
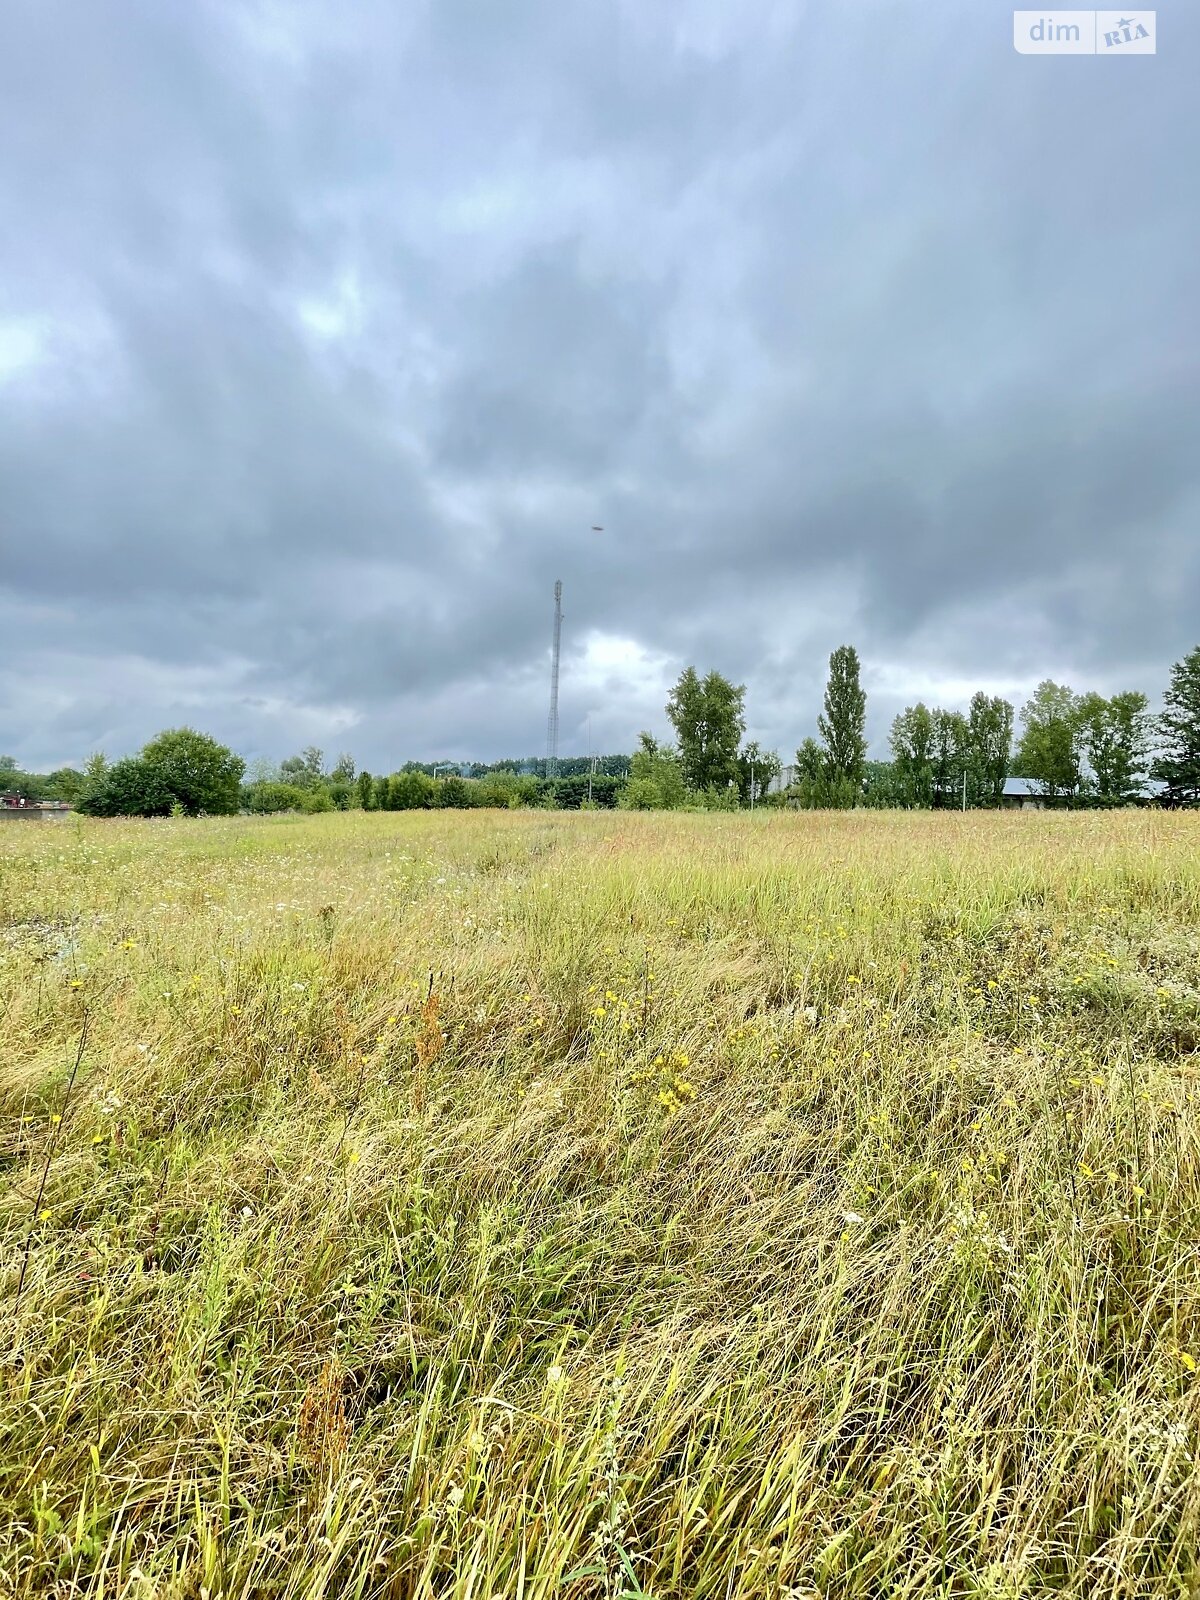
527, 1205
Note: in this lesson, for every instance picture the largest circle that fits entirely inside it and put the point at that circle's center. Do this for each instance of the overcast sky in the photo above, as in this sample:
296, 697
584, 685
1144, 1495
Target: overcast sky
328, 331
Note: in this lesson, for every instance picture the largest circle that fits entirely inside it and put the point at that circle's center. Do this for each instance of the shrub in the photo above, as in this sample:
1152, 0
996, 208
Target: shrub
265, 798
131, 787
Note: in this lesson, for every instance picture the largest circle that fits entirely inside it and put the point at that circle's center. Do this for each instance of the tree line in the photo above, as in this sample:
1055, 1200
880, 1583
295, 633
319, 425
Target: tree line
1080, 749
1072, 748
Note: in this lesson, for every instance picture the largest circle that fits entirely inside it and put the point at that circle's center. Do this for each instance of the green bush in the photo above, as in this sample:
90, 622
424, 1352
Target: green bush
265, 798
179, 770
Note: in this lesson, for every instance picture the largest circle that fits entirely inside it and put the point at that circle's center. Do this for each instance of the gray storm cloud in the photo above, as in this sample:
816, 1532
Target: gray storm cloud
327, 333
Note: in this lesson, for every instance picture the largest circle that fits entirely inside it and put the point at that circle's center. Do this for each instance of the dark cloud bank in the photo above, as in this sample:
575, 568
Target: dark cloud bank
326, 334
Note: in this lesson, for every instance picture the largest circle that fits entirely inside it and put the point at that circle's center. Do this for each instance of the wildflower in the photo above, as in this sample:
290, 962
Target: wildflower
1086, 1170
1187, 1361
599, 1011
555, 1376
128, 944
76, 983
852, 1216
44, 1216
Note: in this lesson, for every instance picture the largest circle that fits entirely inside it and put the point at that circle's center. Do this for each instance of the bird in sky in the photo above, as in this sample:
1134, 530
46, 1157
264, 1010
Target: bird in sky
597, 530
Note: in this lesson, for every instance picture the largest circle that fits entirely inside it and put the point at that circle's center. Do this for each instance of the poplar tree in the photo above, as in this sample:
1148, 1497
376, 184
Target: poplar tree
842, 724
1178, 762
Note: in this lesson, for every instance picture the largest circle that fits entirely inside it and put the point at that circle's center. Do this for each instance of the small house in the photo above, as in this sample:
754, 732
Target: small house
1021, 794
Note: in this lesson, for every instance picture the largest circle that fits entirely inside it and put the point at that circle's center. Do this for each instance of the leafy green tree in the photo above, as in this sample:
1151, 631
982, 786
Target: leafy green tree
30, 786
14, 779
1177, 765
382, 794
818, 786
201, 774
305, 770
709, 720
267, 797
411, 790
1049, 752
572, 793
842, 724
950, 744
65, 783
757, 766
1115, 739
502, 787
885, 787
989, 747
131, 787
179, 769
912, 742
344, 768
655, 778
365, 787
810, 762
94, 770
455, 793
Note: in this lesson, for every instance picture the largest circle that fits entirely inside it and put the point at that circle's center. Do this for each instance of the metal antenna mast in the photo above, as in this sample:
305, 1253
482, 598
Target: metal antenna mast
552, 719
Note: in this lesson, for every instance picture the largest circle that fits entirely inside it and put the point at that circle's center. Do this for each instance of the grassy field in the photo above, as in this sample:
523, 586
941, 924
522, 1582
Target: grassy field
531, 1204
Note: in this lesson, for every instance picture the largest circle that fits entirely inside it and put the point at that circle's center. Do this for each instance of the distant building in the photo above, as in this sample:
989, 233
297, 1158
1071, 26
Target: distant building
785, 780
1021, 794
